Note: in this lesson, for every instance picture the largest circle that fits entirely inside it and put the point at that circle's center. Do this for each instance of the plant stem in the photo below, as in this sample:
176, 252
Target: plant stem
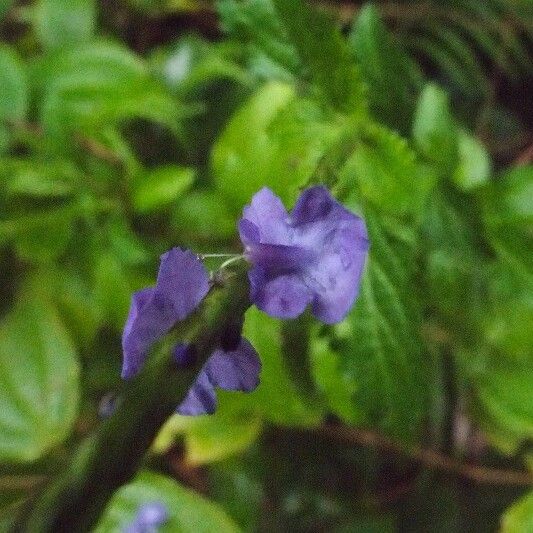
110, 457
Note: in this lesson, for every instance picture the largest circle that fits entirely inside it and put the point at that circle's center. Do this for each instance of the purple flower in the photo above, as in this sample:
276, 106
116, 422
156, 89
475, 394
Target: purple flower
181, 285
149, 516
237, 370
313, 256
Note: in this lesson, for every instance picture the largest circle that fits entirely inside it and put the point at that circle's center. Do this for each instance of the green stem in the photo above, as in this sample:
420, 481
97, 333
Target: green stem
111, 456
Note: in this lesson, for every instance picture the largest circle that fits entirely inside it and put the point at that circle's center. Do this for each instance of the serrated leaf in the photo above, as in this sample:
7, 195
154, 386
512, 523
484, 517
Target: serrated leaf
434, 130
392, 76
61, 23
193, 63
39, 382
324, 53
337, 385
257, 24
385, 170
188, 511
503, 402
379, 344
455, 269
508, 214
276, 140
101, 83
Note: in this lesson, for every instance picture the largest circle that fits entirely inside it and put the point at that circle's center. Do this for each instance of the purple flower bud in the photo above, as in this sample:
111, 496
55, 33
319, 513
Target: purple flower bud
314, 256
149, 516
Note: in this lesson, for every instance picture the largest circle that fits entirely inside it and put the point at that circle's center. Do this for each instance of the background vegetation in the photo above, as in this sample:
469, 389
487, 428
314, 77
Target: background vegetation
127, 128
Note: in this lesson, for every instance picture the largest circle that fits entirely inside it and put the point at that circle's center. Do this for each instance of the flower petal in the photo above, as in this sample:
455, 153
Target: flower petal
201, 398
280, 258
248, 232
235, 370
141, 330
317, 204
316, 255
181, 285
269, 215
337, 279
284, 296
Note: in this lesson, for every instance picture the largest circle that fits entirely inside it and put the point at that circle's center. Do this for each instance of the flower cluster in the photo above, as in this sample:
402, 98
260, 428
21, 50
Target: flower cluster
313, 256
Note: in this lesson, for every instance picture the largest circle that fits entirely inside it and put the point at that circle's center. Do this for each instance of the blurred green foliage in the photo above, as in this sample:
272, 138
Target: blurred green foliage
124, 132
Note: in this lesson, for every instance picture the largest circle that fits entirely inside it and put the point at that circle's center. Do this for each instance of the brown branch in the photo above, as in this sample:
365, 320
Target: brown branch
98, 150
429, 458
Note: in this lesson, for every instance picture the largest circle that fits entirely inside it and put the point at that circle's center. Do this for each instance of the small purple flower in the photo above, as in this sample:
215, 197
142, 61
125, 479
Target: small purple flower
148, 518
235, 370
314, 256
181, 285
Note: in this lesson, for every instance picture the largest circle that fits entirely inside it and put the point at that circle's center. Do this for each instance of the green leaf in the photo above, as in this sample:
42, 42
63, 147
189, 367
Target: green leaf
379, 343
509, 199
384, 167
434, 130
203, 215
41, 235
277, 397
474, 165
96, 85
46, 242
161, 186
519, 517
13, 80
324, 53
112, 289
455, 270
258, 26
188, 511
5, 6
63, 23
39, 376
392, 76
193, 63
507, 319
275, 140
508, 214
37, 179
244, 157
211, 438
503, 402
5, 138
338, 386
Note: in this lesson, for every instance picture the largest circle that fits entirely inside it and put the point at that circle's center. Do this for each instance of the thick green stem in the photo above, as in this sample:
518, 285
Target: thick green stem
111, 456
